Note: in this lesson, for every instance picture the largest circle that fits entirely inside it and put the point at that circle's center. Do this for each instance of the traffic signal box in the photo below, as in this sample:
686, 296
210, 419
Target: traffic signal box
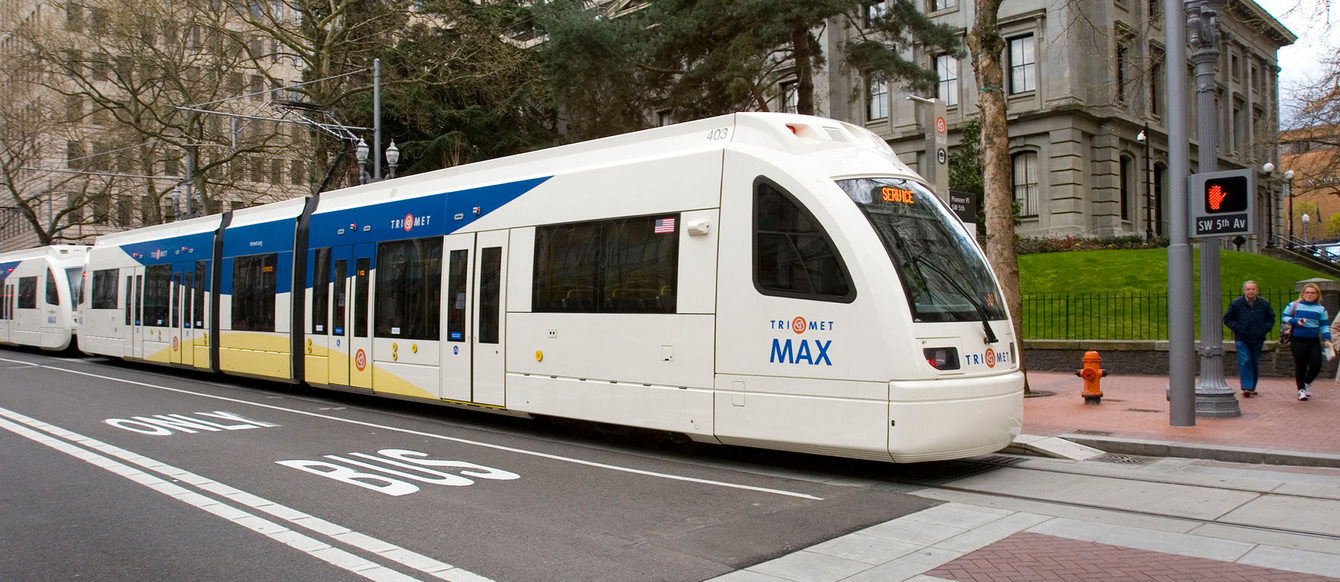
1221, 203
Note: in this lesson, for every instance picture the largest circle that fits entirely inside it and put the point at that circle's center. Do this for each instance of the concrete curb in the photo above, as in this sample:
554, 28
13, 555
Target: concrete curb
1229, 454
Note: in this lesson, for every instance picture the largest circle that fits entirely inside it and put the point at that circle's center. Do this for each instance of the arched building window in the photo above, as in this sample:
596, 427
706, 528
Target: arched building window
1024, 181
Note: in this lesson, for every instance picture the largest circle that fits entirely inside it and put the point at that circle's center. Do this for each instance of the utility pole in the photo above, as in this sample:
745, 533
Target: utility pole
1181, 336
1213, 396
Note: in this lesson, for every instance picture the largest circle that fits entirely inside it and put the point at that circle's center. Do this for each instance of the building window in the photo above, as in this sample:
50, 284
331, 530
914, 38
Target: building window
1024, 181
1023, 67
790, 96
937, 5
946, 68
1125, 186
877, 100
1156, 74
1123, 62
873, 12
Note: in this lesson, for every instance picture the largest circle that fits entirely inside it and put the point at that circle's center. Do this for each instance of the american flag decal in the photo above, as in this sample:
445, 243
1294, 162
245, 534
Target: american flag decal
664, 225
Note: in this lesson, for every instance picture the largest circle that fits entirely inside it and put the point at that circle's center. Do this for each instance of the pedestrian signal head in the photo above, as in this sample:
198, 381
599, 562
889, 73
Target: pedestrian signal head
1224, 195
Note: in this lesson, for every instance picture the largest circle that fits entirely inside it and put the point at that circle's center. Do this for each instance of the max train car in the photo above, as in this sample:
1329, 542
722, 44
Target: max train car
768, 280
38, 291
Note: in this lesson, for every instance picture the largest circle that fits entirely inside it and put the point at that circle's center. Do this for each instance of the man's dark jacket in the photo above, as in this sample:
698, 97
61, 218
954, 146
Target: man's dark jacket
1250, 323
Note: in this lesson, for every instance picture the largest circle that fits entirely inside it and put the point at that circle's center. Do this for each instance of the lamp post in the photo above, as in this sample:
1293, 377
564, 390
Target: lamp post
392, 158
361, 151
1288, 187
1305, 221
1149, 192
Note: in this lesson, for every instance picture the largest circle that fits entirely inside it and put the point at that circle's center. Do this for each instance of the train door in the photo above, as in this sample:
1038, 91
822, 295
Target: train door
457, 305
336, 334
174, 319
360, 317
183, 312
133, 307
487, 343
199, 285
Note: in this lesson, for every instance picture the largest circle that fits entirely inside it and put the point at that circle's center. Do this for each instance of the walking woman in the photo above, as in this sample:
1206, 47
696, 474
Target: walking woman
1310, 327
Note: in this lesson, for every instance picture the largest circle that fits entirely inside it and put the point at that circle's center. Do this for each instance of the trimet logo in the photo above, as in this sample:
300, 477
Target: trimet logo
410, 221
800, 351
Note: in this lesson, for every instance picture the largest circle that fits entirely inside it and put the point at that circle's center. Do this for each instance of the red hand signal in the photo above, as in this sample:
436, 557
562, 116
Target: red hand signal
1216, 196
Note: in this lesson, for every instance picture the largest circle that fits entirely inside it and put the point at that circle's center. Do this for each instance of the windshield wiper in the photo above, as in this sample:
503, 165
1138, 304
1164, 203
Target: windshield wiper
917, 261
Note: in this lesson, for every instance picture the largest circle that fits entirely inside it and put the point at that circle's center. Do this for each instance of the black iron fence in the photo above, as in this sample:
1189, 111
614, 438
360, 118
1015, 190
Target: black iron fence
1117, 316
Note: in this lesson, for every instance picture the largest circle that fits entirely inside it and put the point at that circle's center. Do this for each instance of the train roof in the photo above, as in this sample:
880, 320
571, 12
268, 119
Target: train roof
72, 252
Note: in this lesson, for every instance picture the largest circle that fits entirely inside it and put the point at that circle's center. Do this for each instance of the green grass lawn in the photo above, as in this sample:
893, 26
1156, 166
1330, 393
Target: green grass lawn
1122, 294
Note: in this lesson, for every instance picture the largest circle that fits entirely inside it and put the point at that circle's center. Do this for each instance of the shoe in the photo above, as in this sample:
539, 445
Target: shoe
1303, 395
1307, 391
1248, 393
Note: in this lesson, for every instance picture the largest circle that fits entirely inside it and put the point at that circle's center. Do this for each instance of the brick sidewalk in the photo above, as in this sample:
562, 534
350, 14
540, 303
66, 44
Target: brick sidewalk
1137, 407
1031, 557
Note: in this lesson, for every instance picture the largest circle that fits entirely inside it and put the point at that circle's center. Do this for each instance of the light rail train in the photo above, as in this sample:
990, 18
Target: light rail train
38, 290
768, 280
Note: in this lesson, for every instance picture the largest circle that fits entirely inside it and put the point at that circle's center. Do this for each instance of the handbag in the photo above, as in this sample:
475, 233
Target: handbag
1286, 329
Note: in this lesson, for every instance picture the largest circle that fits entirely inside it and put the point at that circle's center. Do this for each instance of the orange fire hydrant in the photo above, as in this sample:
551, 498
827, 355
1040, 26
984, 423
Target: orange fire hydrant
1091, 374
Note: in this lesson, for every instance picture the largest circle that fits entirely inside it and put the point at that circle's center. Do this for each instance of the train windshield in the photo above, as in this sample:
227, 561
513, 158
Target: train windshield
944, 276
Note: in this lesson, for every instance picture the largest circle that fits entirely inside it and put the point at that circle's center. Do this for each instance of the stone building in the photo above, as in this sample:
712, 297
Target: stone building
1083, 79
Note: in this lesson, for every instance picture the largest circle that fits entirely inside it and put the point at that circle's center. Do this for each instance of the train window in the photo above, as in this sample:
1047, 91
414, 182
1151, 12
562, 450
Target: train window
320, 289
337, 314
361, 266
622, 265
104, 289
254, 279
188, 298
75, 278
27, 293
944, 275
157, 293
409, 289
198, 307
490, 294
457, 279
129, 311
53, 295
6, 300
139, 297
793, 255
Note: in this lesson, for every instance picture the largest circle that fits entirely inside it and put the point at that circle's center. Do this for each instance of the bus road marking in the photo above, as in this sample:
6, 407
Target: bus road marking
496, 447
78, 446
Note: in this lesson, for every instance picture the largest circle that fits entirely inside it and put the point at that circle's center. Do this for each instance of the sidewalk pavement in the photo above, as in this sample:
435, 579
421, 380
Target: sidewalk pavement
1222, 531
1133, 418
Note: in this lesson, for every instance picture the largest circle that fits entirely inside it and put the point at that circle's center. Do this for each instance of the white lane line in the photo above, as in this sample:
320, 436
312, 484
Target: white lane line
452, 439
314, 547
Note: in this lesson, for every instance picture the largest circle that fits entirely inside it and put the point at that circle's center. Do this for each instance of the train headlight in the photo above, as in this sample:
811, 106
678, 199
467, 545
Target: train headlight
941, 358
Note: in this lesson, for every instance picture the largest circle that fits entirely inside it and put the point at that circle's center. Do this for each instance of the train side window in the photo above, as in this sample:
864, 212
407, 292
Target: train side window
254, 279
409, 289
490, 293
157, 294
187, 298
27, 293
362, 266
104, 289
139, 298
341, 287
198, 309
129, 286
320, 289
53, 296
793, 255
621, 265
457, 284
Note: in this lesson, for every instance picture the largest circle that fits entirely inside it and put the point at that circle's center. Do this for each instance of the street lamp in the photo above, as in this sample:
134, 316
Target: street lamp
392, 158
1305, 221
1149, 193
361, 151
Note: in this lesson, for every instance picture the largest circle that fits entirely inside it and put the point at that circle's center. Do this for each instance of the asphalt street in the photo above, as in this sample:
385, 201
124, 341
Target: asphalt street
119, 472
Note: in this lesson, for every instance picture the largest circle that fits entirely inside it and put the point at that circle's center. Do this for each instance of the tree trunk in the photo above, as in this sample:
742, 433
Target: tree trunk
987, 48
800, 48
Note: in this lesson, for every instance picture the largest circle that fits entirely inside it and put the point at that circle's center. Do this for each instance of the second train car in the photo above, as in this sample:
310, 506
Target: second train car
768, 280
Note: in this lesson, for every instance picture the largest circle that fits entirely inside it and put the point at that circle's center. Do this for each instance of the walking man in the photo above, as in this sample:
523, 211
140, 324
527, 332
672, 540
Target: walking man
1251, 319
